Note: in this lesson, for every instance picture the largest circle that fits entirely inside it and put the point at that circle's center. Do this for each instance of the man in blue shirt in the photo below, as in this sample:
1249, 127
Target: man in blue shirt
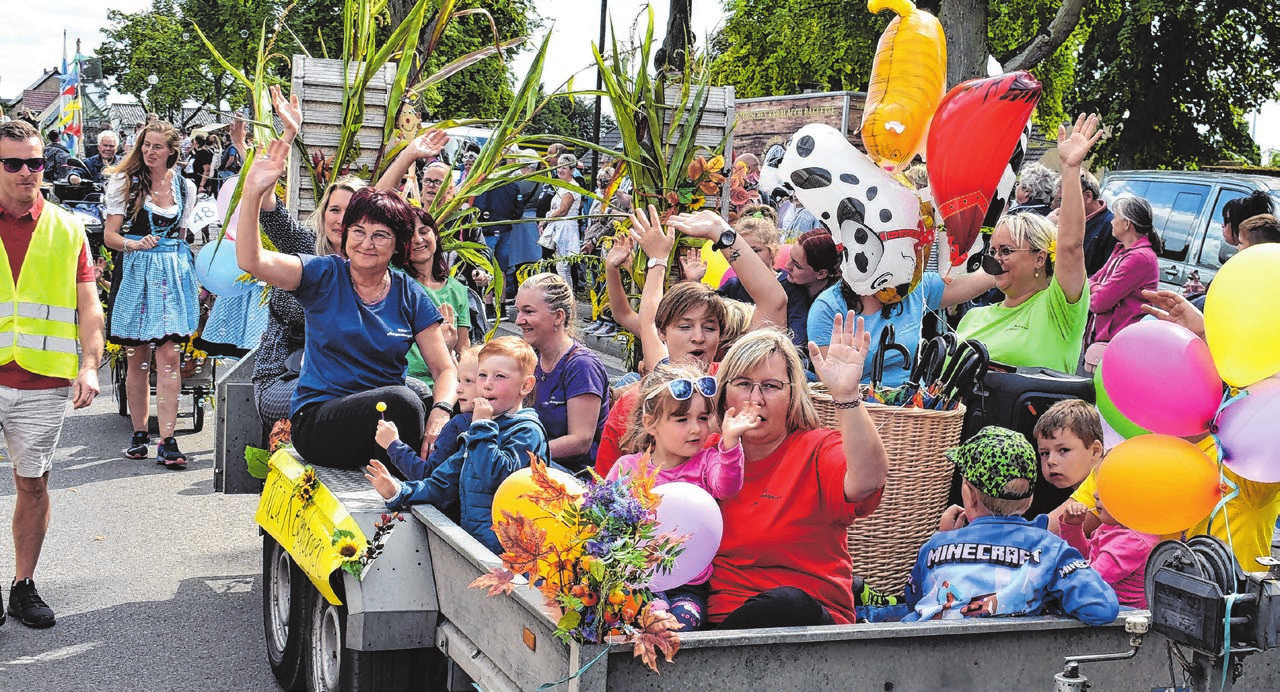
107, 156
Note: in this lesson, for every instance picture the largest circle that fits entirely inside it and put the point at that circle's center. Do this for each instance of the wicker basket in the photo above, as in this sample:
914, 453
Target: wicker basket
884, 545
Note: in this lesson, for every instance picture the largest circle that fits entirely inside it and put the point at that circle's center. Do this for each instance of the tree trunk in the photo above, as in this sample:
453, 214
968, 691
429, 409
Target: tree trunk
1047, 41
965, 25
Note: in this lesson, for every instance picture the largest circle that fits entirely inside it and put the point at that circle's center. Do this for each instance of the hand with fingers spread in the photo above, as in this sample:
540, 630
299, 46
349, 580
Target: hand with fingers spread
449, 328
693, 265
735, 423
386, 484
267, 168
238, 130
704, 224
648, 231
1074, 143
621, 251
1169, 306
841, 369
429, 144
290, 112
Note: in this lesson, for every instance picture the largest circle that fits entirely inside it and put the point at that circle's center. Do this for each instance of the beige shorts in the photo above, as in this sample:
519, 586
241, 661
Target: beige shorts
31, 420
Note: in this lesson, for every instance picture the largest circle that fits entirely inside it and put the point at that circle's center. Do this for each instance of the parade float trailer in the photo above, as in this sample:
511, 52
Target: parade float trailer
410, 622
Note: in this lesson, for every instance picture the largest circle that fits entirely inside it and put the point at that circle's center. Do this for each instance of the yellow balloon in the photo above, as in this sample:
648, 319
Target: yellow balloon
1242, 317
908, 77
510, 496
1158, 484
717, 265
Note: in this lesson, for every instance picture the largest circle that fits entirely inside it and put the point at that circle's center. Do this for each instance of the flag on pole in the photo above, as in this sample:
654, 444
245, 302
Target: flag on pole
71, 120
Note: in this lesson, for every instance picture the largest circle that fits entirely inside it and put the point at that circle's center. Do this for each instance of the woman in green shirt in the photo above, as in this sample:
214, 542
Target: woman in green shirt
1040, 269
427, 264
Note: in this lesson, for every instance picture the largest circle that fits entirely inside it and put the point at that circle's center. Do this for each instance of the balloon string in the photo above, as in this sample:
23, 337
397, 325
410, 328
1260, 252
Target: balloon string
1226, 640
557, 683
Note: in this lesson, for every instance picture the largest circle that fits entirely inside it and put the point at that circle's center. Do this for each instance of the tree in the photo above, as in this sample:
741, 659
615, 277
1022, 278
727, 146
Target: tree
568, 116
482, 90
1176, 79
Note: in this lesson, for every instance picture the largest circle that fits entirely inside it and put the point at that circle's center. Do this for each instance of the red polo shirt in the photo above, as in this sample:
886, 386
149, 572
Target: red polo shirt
15, 233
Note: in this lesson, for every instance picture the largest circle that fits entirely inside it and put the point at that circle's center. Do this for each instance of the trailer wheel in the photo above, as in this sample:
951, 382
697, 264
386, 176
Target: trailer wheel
334, 666
286, 605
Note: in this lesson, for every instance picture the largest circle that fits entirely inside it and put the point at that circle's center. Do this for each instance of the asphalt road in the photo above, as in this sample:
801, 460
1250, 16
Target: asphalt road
155, 579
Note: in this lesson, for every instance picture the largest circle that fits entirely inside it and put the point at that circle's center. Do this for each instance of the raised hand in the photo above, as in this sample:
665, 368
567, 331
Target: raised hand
386, 434
290, 112
704, 224
735, 423
267, 168
449, 328
1074, 144
693, 265
1168, 306
648, 232
841, 369
621, 251
238, 131
429, 144
386, 484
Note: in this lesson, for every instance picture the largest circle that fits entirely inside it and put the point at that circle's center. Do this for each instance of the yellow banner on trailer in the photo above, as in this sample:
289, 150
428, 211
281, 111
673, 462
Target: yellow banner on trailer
302, 515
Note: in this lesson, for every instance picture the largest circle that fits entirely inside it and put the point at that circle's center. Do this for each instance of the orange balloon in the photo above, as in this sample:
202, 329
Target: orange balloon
510, 496
1158, 484
908, 78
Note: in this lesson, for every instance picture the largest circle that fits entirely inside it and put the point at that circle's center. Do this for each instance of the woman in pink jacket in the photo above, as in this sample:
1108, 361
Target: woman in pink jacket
1115, 292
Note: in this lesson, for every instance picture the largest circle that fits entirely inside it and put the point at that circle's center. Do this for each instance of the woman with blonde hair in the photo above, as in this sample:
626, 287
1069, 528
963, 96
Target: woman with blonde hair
558, 233
155, 305
1040, 269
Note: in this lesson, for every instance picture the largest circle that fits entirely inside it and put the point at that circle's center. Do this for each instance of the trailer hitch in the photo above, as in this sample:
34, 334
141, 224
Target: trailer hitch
1072, 680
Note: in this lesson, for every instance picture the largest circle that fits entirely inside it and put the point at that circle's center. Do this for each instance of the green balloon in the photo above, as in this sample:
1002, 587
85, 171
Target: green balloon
1118, 422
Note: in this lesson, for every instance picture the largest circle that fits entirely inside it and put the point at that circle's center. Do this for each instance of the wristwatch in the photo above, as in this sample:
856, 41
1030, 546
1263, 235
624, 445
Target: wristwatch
657, 262
727, 238
443, 406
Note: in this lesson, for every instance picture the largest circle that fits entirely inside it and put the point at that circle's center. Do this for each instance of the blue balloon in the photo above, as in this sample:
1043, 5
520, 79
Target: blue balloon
217, 269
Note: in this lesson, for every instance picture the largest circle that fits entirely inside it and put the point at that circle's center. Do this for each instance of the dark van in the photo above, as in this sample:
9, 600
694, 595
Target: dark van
1187, 208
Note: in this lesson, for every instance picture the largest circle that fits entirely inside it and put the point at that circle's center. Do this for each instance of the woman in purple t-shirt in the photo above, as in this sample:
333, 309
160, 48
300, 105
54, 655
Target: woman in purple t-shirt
572, 392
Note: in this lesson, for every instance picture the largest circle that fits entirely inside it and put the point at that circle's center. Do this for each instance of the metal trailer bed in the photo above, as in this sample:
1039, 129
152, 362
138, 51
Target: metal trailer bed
413, 624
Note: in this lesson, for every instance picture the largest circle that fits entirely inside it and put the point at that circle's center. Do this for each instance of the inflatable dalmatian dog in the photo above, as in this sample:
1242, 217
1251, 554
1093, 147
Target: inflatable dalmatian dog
872, 215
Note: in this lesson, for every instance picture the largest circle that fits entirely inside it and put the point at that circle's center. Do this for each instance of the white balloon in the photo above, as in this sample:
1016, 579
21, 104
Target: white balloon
874, 216
688, 509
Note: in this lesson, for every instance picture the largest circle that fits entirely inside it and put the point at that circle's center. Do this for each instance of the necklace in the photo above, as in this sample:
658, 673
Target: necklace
382, 290
546, 372
161, 225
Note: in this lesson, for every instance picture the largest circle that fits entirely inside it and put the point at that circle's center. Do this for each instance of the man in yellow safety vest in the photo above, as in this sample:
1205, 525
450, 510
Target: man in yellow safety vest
51, 332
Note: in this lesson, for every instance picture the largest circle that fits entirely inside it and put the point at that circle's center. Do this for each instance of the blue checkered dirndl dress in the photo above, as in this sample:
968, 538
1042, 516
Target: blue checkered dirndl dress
157, 299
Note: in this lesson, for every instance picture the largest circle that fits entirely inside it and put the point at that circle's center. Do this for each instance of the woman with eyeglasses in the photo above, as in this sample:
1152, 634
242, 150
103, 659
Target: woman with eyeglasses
1040, 270
361, 320
155, 305
783, 560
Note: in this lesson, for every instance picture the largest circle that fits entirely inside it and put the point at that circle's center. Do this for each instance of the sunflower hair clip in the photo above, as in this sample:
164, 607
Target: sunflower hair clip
1053, 250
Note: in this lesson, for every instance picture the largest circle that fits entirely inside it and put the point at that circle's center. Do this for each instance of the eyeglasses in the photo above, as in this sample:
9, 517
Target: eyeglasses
768, 388
13, 165
993, 259
379, 238
1004, 252
432, 182
682, 388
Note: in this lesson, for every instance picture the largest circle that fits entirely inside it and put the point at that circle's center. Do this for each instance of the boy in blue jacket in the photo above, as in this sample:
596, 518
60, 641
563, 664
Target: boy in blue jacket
497, 444
986, 560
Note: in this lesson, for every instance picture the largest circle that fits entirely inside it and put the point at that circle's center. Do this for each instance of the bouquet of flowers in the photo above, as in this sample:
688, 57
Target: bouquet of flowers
595, 568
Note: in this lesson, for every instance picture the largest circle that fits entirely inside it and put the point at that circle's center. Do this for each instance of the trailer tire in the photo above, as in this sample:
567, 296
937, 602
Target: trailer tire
333, 666
286, 612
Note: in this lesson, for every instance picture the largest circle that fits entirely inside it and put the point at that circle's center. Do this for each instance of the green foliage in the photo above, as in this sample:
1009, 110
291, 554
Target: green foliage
1176, 79
772, 47
570, 116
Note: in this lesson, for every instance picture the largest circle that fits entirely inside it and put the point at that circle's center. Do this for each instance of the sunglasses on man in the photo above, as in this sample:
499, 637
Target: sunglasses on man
13, 165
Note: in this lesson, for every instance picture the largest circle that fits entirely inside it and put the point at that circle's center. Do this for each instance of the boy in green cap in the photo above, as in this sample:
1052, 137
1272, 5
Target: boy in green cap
986, 560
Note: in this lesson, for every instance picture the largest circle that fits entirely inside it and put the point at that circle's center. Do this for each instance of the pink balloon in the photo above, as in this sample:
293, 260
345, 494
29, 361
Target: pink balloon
224, 202
1162, 378
1247, 428
688, 509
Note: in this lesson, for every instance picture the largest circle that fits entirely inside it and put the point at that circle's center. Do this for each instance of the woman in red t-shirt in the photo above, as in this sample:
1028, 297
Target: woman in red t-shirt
783, 560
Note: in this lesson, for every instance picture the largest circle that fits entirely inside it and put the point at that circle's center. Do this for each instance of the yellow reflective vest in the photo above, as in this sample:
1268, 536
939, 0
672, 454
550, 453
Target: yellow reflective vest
38, 315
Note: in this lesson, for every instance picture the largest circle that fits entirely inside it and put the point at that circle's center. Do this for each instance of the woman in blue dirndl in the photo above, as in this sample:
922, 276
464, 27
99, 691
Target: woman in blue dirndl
156, 305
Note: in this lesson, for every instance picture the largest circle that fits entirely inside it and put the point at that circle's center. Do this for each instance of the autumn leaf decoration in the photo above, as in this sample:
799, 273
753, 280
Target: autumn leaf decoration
595, 574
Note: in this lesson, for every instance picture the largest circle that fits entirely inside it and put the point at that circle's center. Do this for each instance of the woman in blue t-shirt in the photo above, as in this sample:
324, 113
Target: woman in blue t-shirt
361, 320
572, 391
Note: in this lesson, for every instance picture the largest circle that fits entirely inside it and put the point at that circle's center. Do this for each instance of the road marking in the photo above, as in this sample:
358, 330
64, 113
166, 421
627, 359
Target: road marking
241, 585
54, 655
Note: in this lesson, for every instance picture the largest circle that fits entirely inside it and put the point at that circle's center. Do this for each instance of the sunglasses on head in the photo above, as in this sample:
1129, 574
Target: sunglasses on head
682, 388
14, 165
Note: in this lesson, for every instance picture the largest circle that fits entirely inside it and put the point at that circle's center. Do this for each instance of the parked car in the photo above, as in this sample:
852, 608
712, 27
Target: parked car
1187, 208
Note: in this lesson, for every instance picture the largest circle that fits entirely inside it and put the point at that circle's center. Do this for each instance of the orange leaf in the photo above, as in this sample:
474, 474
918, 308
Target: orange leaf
696, 166
658, 633
643, 478
672, 198
497, 580
709, 188
281, 435
551, 493
526, 544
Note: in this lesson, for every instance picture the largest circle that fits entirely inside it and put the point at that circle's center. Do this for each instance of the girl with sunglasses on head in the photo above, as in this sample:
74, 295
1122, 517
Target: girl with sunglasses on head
669, 431
1040, 269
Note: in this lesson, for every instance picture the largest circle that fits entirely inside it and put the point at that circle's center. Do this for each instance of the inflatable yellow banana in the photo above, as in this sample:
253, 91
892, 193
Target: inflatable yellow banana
908, 78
